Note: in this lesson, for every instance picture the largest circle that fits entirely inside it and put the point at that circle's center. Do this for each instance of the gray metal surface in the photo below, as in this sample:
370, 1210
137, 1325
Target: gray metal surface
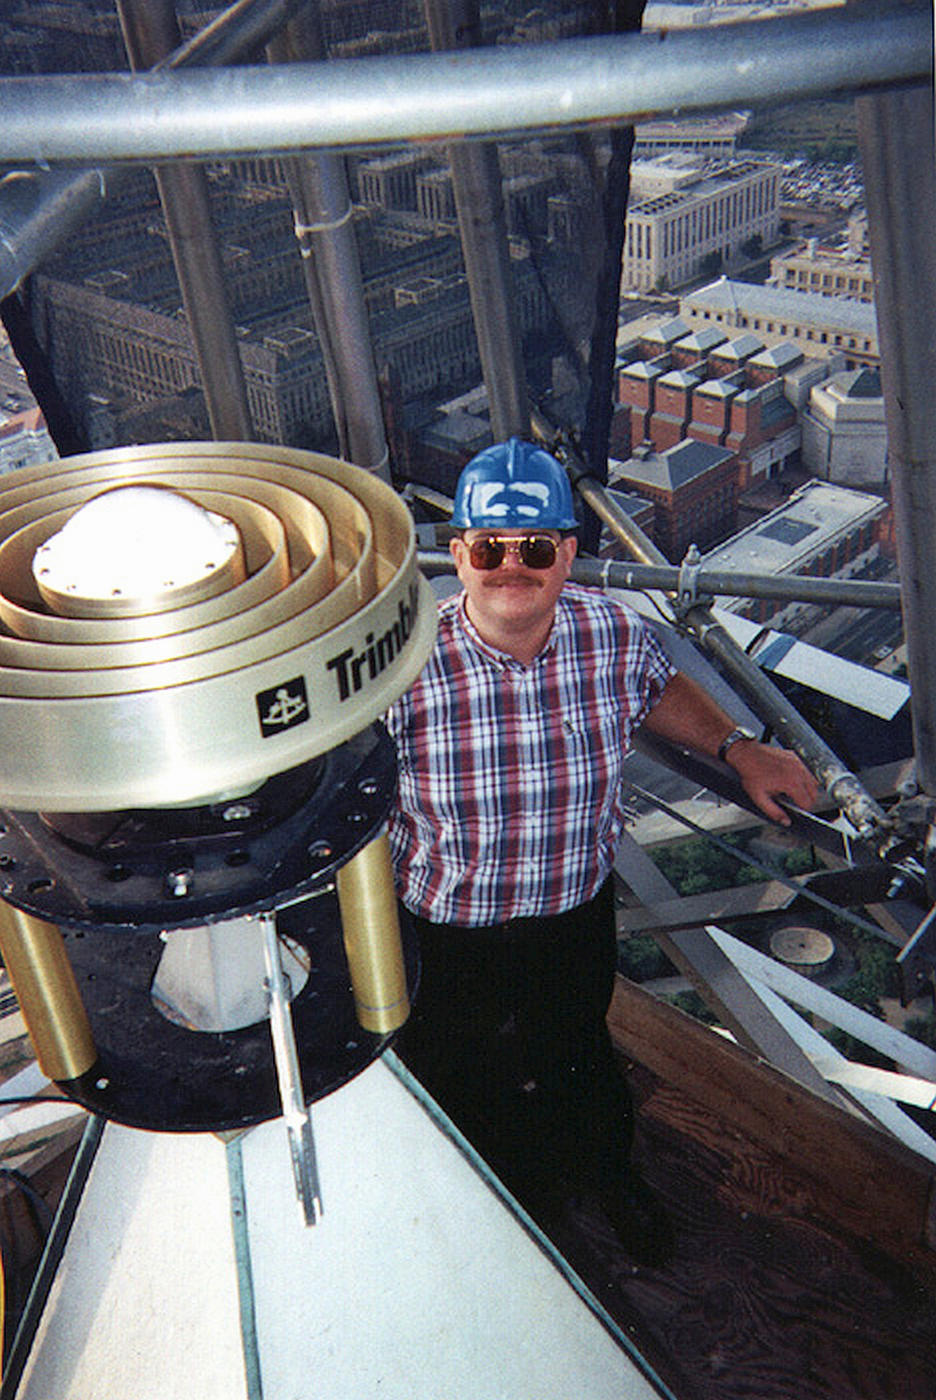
897, 156
475, 92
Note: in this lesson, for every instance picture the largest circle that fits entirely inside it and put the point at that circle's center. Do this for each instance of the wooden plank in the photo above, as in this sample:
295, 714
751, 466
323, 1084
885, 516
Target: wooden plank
851, 1173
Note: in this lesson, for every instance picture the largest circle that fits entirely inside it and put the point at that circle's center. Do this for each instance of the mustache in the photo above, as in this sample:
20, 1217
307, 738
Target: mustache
510, 580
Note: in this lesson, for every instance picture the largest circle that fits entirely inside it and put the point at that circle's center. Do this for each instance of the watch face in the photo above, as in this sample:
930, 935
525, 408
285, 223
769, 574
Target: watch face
736, 734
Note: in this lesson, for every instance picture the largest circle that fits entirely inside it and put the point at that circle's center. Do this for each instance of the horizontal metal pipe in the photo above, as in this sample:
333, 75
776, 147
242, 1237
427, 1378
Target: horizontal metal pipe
472, 92
790, 588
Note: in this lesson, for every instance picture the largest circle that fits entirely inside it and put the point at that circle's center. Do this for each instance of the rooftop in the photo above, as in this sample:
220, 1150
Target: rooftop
781, 540
726, 295
671, 469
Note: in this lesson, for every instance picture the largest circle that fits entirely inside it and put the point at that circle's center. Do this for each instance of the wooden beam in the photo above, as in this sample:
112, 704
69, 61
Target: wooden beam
833, 1164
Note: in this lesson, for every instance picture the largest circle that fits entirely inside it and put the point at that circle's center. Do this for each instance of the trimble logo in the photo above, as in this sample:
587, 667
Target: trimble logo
353, 670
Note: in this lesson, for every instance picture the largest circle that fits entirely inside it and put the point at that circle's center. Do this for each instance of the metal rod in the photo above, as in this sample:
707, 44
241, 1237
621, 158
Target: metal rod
51, 1257
295, 1113
370, 927
151, 32
331, 267
44, 981
472, 92
790, 588
38, 209
479, 204
899, 163
245, 25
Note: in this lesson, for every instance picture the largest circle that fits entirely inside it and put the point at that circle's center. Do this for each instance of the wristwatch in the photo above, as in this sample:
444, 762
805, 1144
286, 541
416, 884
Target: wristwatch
739, 732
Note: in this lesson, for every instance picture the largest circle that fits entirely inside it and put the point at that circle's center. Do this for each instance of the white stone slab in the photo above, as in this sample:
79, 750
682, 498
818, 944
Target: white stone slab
418, 1283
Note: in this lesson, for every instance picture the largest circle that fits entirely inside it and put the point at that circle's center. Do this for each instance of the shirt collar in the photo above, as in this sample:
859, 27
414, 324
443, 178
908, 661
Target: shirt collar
503, 658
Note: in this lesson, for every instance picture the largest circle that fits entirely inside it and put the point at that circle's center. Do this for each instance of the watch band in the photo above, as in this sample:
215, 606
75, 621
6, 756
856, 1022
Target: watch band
739, 732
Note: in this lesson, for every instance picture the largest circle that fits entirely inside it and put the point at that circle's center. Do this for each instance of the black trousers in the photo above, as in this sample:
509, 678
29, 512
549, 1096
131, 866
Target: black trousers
508, 1034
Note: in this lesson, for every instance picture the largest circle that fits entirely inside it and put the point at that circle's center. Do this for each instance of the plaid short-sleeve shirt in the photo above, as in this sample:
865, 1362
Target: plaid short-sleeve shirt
510, 795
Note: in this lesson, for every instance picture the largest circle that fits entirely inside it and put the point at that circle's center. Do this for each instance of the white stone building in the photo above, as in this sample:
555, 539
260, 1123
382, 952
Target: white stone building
823, 529
820, 326
685, 210
25, 441
830, 272
844, 430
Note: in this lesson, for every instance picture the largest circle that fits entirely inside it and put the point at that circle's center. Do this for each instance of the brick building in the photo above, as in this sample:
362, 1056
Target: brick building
693, 488
679, 384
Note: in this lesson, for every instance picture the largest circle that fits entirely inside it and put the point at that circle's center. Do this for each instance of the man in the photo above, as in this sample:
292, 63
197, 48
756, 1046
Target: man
511, 745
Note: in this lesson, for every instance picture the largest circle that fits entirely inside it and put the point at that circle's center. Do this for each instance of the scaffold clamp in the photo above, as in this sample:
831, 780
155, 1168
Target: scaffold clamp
688, 595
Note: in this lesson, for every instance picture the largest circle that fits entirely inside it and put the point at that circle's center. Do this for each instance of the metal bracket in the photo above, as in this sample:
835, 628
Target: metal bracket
289, 1077
916, 961
688, 595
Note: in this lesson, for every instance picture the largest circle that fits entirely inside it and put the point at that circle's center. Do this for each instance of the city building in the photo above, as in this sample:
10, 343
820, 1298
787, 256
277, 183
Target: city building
819, 325
823, 529
714, 136
641, 510
702, 385
844, 429
688, 215
24, 440
828, 271
692, 487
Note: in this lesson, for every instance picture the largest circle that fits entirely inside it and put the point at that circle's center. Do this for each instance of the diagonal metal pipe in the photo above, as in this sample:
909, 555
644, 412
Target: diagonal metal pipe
471, 92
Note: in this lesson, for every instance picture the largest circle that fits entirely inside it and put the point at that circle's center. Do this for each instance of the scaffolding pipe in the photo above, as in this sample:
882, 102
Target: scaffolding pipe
479, 205
472, 92
40, 208
669, 578
150, 32
331, 268
764, 698
899, 163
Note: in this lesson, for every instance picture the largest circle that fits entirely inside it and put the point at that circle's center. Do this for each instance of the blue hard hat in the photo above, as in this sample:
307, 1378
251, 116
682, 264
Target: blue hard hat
513, 485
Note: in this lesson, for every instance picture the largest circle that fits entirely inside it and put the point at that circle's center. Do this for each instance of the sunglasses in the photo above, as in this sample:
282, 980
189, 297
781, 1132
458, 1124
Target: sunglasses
534, 551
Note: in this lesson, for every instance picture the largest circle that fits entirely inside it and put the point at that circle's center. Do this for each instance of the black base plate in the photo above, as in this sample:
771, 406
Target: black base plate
154, 1074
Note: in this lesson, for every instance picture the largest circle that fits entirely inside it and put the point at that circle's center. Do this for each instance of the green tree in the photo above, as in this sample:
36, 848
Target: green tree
641, 958
694, 1006
696, 865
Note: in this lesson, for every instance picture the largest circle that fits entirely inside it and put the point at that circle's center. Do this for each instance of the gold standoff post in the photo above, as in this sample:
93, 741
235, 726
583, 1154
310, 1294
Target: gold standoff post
44, 982
371, 928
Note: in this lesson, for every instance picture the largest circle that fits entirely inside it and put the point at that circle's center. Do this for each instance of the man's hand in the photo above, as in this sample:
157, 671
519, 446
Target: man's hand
687, 714
767, 772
